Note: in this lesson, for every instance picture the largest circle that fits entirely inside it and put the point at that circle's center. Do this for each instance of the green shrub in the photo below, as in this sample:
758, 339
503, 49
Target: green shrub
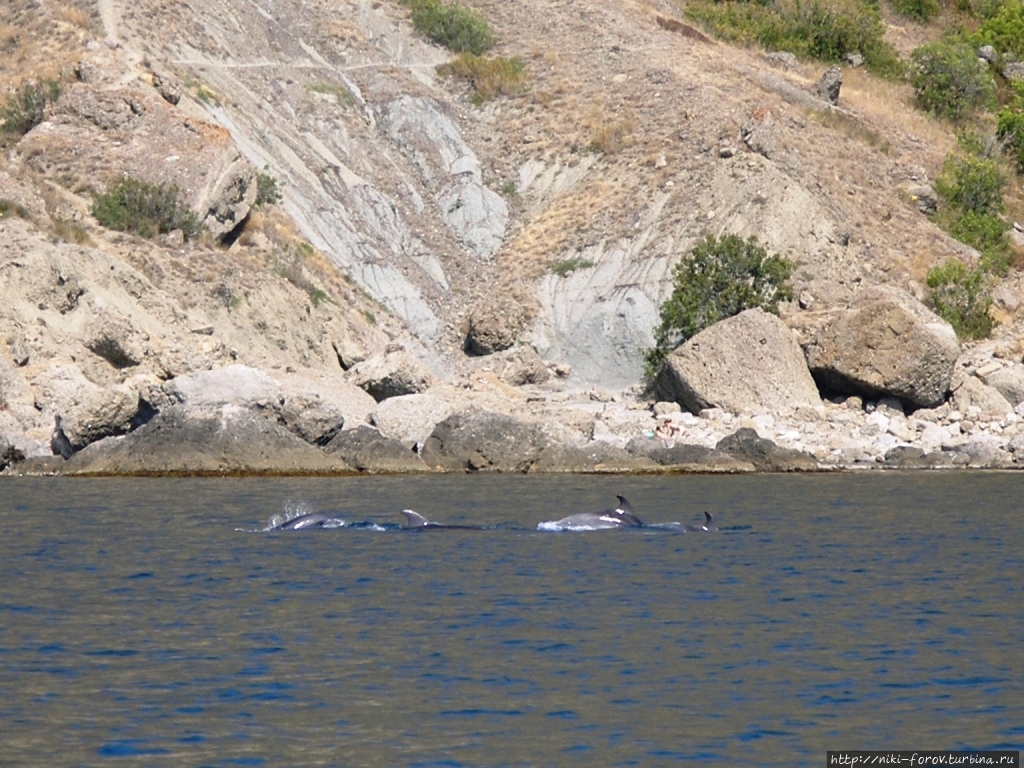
489, 77
565, 266
1004, 29
923, 10
26, 107
1010, 126
342, 95
949, 81
808, 28
971, 183
267, 192
457, 28
145, 209
720, 278
959, 296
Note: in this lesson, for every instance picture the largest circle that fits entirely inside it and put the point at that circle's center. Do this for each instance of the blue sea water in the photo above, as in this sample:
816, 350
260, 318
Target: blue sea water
154, 622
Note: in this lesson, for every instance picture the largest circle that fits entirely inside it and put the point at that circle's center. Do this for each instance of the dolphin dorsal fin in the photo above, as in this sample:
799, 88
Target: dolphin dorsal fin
624, 508
414, 519
708, 517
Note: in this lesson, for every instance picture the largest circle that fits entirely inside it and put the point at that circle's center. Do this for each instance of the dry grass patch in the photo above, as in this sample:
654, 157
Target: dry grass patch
609, 137
488, 76
75, 16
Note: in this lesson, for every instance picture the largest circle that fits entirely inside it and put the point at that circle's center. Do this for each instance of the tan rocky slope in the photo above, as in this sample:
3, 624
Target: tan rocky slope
431, 218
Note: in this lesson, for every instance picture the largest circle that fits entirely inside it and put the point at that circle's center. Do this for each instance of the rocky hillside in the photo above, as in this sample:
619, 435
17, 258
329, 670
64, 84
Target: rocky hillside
413, 221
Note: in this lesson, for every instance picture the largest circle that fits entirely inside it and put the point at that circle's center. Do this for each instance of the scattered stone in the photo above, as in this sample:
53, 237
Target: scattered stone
970, 393
524, 366
924, 197
1014, 70
782, 59
1008, 381
828, 85
988, 54
410, 419
854, 59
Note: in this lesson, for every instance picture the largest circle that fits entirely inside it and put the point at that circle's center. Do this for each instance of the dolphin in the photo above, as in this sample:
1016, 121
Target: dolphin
708, 527
416, 521
620, 517
312, 520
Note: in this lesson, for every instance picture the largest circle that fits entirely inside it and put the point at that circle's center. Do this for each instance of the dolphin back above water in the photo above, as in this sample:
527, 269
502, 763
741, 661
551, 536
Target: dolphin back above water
303, 522
708, 527
416, 521
621, 516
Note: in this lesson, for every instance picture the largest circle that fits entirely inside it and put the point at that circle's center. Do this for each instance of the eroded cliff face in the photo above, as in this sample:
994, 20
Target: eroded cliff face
630, 142
551, 218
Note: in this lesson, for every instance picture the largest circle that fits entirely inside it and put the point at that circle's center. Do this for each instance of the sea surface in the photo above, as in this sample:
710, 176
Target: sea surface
153, 622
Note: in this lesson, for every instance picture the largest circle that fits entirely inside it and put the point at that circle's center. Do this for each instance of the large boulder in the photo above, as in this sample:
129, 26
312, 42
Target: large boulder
410, 419
90, 412
886, 343
391, 372
237, 385
1009, 382
483, 441
366, 449
494, 325
969, 393
749, 362
225, 440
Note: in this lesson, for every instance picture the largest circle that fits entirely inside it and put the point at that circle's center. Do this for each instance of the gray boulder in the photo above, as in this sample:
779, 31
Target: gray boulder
746, 445
8, 453
970, 392
1014, 70
685, 455
112, 336
483, 441
366, 449
99, 414
748, 362
237, 385
1009, 382
410, 419
494, 325
391, 373
524, 366
595, 456
182, 441
886, 343
828, 85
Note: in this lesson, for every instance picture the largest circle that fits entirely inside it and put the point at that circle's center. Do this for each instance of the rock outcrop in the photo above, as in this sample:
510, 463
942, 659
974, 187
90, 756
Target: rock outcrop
96, 136
367, 450
203, 441
750, 362
886, 344
481, 441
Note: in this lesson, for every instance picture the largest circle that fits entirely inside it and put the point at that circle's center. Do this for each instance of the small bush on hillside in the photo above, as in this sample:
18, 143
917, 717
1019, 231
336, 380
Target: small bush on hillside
949, 81
459, 29
808, 28
720, 278
497, 76
922, 10
1010, 127
267, 192
26, 107
145, 209
971, 183
1004, 28
959, 296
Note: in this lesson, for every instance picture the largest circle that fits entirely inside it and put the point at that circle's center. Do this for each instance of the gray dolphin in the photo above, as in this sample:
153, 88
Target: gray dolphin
708, 527
312, 520
416, 521
620, 517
